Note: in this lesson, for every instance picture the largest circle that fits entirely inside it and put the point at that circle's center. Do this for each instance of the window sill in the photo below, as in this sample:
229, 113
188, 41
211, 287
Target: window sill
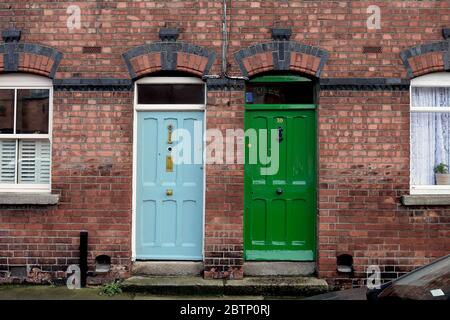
10, 198
426, 200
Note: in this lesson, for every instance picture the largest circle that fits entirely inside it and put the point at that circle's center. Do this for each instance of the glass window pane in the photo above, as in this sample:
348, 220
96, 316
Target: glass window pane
6, 111
32, 111
430, 145
171, 94
34, 161
430, 97
280, 93
7, 161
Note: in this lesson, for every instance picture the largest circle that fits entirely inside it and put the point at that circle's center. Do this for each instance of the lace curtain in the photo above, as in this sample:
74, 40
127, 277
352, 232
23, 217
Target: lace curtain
430, 134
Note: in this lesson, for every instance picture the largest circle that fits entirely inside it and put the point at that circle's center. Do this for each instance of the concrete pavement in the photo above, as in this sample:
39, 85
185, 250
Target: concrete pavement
185, 288
39, 292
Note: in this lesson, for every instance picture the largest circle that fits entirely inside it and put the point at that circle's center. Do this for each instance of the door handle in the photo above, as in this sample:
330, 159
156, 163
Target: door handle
279, 191
169, 192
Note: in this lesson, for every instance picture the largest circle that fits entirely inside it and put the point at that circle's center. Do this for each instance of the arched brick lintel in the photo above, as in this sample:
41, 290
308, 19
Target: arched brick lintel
170, 56
281, 56
427, 58
29, 57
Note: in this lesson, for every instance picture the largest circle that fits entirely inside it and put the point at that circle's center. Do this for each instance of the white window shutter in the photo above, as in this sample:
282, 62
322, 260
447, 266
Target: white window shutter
7, 161
34, 161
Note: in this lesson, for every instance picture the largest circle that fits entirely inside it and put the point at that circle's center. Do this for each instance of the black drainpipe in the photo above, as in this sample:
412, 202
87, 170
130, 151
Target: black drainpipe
83, 257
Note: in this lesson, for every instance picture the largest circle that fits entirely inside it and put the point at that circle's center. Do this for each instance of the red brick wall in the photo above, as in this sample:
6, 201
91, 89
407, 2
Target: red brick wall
363, 136
92, 167
363, 172
336, 26
224, 193
92, 170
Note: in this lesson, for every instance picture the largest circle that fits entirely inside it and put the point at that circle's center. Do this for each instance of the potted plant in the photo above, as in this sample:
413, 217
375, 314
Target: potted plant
442, 175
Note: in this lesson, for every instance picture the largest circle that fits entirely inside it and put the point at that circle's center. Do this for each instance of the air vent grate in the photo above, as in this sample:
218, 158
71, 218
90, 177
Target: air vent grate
372, 49
92, 49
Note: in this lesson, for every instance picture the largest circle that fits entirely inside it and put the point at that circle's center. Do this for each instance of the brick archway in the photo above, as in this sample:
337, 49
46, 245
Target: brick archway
168, 56
427, 58
281, 56
30, 58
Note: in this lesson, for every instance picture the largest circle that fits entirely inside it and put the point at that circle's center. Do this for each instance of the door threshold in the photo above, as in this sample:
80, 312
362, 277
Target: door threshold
279, 255
167, 268
279, 268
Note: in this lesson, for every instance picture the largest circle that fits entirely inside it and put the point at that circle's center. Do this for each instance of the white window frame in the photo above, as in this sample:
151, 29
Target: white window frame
166, 107
28, 81
433, 80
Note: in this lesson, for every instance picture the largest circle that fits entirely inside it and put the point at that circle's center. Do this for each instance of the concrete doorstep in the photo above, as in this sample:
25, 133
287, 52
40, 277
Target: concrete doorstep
254, 286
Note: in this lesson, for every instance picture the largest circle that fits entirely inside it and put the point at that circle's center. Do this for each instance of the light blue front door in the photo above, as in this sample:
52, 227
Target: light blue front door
169, 199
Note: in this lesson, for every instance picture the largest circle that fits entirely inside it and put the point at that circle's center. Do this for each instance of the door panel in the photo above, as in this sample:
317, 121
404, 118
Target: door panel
168, 227
280, 209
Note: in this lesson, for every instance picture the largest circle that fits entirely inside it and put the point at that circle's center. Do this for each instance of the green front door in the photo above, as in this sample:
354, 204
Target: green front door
280, 208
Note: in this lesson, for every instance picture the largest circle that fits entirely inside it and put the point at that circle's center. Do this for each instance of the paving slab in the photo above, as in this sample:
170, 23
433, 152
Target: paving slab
187, 285
276, 286
250, 286
39, 292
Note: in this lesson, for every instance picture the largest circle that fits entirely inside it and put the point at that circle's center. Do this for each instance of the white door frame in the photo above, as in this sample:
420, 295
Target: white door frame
165, 107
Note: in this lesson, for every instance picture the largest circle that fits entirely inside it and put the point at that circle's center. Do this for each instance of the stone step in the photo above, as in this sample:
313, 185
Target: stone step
194, 268
166, 268
192, 285
279, 268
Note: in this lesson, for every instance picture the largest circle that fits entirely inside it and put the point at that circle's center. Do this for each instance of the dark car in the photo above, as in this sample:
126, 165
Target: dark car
430, 282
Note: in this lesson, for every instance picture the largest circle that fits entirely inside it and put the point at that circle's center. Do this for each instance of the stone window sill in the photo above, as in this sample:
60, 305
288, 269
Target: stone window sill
426, 200
16, 198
